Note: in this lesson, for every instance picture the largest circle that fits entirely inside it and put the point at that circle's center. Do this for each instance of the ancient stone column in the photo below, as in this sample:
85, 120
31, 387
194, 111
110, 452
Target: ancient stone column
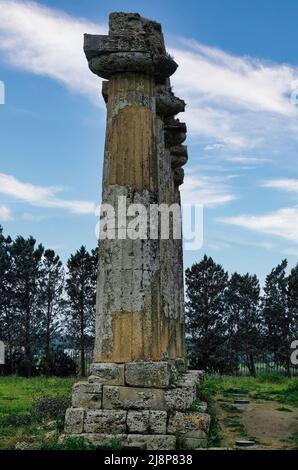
139, 307
138, 388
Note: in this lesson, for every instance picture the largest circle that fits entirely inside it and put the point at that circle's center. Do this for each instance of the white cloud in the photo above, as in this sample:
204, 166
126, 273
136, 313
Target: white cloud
285, 184
206, 190
282, 223
5, 213
48, 42
242, 81
41, 196
235, 102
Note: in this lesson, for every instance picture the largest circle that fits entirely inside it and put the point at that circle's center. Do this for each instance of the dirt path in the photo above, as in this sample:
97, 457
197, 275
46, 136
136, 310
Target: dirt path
269, 423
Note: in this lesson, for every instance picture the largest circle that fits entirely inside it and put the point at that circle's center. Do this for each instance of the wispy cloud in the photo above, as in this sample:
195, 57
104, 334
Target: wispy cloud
284, 184
48, 42
235, 102
41, 196
5, 213
282, 223
210, 191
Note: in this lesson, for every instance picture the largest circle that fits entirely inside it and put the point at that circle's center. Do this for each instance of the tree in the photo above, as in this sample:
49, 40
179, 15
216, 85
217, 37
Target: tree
277, 321
81, 297
26, 275
206, 284
293, 303
243, 317
7, 323
51, 298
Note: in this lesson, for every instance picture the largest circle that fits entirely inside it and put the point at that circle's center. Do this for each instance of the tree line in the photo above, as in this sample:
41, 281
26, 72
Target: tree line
46, 306
44, 303
231, 321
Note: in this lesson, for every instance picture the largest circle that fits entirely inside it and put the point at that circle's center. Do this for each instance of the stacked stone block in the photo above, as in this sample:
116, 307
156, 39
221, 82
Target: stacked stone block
141, 404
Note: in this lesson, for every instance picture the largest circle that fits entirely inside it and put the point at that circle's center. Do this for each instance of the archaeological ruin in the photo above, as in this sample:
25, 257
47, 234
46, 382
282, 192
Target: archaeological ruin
139, 390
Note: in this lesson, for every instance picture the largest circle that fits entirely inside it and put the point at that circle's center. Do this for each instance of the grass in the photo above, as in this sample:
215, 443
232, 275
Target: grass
17, 395
280, 389
267, 387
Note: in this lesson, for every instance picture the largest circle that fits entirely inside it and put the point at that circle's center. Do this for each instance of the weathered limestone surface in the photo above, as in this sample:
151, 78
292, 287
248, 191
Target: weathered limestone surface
107, 373
138, 390
137, 318
147, 422
134, 398
189, 424
105, 421
148, 374
74, 420
87, 395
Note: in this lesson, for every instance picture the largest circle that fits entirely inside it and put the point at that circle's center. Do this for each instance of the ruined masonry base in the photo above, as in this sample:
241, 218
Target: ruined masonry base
145, 405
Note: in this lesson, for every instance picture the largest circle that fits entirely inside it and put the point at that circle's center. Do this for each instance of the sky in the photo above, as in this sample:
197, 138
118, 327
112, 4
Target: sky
238, 73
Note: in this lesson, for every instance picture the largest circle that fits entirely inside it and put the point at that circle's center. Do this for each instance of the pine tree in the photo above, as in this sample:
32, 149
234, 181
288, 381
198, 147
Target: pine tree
206, 284
81, 296
7, 323
277, 320
52, 302
25, 294
243, 317
293, 304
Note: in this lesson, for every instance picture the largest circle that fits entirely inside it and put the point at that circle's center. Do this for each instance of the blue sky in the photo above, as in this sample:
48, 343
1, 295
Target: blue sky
237, 70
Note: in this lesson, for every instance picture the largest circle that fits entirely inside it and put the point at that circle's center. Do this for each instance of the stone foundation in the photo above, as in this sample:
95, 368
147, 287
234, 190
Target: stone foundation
148, 405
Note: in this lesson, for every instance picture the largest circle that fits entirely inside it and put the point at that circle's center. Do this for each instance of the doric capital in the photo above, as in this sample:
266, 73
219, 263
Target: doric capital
134, 44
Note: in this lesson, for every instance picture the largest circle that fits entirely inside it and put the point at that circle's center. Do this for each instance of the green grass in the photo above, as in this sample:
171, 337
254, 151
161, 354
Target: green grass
280, 389
16, 399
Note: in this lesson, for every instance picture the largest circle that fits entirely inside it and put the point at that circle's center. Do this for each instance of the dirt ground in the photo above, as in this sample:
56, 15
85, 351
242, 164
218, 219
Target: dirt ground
269, 423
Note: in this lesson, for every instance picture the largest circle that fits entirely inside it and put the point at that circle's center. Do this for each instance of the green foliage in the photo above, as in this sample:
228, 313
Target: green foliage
81, 299
112, 443
17, 422
58, 364
206, 284
47, 408
70, 443
294, 440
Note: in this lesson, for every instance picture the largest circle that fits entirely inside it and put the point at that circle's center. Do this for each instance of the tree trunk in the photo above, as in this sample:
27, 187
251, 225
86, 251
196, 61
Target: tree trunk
83, 367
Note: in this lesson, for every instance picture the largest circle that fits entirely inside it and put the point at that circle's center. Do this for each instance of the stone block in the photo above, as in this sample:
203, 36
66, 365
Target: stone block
132, 398
180, 365
192, 424
179, 399
147, 422
74, 421
107, 373
105, 421
153, 442
194, 443
87, 395
148, 374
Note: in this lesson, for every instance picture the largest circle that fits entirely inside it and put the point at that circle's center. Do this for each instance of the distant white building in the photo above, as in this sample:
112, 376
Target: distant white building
2, 353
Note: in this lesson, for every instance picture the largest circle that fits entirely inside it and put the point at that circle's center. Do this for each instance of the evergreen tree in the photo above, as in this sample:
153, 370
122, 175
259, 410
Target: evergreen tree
243, 317
52, 302
81, 297
206, 284
277, 320
7, 321
26, 276
293, 303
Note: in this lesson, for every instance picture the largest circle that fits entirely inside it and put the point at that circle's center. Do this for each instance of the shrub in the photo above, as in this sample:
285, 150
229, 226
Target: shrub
46, 408
70, 443
61, 365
